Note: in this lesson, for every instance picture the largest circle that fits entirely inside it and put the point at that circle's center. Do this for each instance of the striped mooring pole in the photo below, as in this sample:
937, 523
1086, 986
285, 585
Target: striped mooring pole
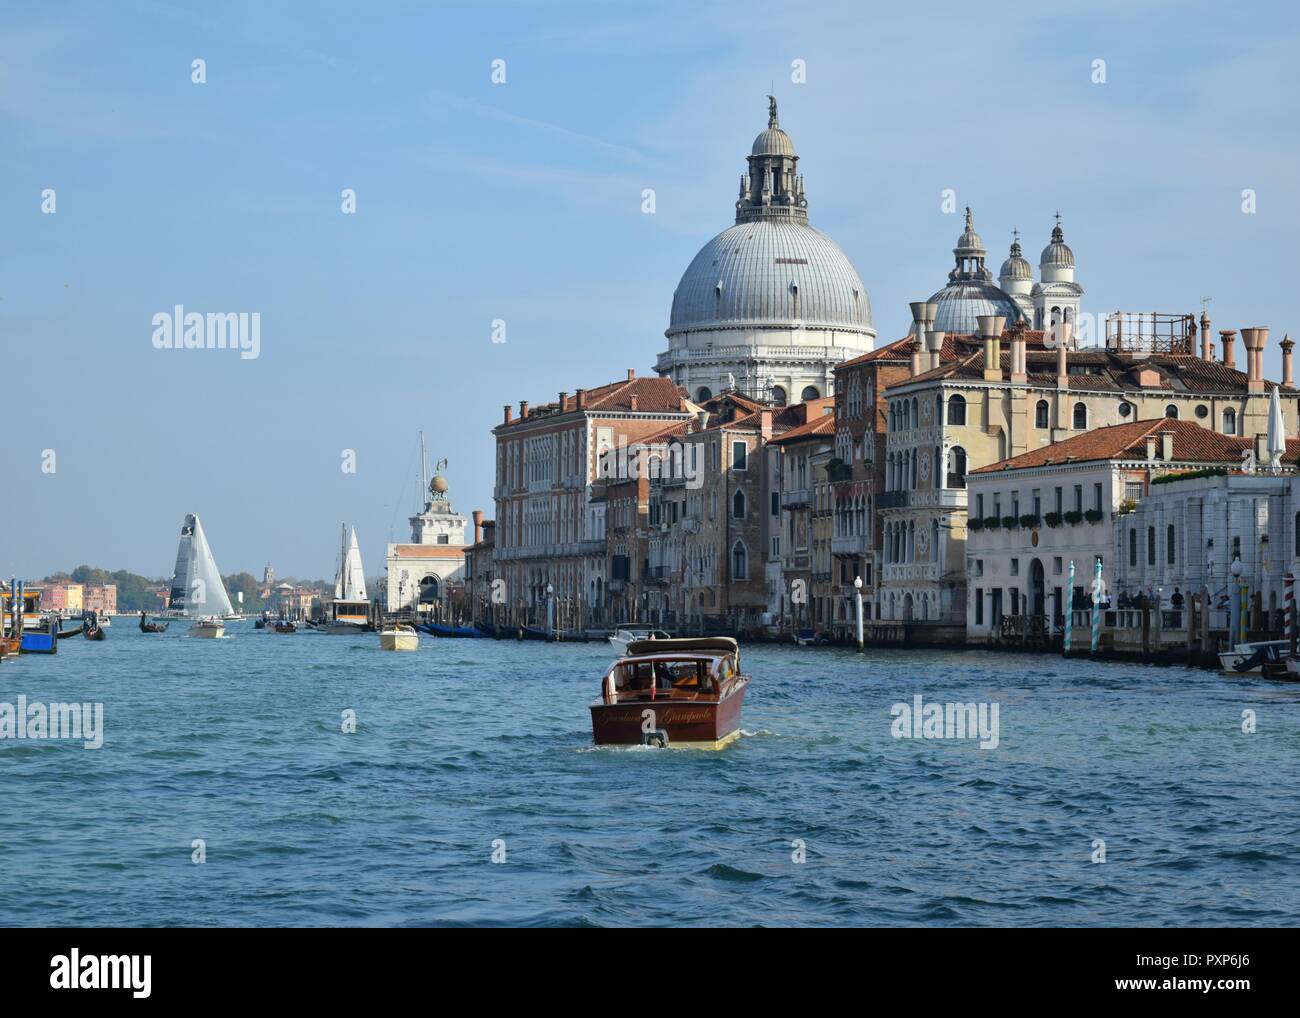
1244, 613
1096, 609
1289, 600
1067, 637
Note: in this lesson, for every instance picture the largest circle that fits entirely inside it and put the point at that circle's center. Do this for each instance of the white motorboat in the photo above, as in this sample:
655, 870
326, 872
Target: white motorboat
1246, 658
399, 638
625, 635
212, 629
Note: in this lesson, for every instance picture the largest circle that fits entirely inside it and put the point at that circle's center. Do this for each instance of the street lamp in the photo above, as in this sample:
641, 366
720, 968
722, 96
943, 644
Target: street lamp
857, 585
1236, 608
550, 611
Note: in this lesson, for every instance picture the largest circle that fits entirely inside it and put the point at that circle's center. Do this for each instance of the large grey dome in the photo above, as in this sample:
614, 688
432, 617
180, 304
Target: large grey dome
772, 142
764, 273
961, 303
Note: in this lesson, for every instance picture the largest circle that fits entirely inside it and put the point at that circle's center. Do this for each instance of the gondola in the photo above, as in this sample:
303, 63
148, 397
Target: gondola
152, 627
63, 634
94, 633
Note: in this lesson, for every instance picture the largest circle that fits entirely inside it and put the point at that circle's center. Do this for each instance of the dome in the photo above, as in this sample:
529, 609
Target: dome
1057, 252
1016, 266
772, 142
961, 303
764, 273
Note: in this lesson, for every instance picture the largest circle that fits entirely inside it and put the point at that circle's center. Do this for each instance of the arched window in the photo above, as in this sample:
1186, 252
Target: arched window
703, 393
938, 410
1171, 411
1170, 544
778, 395
1040, 414
1230, 421
809, 392
1080, 417
738, 506
957, 467
1133, 547
956, 409
1151, 546
739, 562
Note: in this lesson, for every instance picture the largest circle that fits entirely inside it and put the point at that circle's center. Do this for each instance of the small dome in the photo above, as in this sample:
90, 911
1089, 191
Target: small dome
438, 485
772, 142
1057, 252
969, 241
1016, 266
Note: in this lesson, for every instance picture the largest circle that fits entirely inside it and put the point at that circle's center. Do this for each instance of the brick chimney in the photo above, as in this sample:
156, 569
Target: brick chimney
631, 374
765, 423
523, 409
509, 415
1254, 341
581, 397
1226, 336
478, 525
1287, 346
633, 403
1207, 348
564, 402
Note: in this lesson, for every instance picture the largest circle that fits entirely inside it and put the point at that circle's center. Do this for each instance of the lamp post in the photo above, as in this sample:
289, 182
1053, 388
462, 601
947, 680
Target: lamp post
1236, 605
1067, 635
550, 611
857, 585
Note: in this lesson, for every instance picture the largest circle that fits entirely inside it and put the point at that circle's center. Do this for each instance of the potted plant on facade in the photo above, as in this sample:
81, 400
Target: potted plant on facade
1009, 522
992, 523
1094, 516
1074, 518
1029, 521
1053, 519
975, 523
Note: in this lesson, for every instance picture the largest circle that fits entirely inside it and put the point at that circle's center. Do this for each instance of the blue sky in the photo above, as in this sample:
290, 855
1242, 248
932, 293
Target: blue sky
522, 202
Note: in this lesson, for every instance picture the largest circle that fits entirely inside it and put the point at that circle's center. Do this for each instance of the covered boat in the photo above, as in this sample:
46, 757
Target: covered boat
680, 693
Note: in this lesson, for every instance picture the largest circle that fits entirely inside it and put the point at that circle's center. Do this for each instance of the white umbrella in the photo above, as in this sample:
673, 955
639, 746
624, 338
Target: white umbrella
1276, 432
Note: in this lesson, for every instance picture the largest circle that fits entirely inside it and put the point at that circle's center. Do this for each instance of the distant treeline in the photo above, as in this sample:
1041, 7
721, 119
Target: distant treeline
139, 593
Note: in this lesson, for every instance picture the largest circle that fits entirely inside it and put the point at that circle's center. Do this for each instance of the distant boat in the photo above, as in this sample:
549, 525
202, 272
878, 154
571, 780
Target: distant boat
452, 632
350, 611
197, 591
625, 635
151, 627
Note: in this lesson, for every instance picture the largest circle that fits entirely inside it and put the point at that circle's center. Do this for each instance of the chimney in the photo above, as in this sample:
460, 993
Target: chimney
1261, 447
991, 332
916, 356
702, 420
1287, 346
1062, 368
1151, 448
765, 423
523, 409
508, 414
934, 341
1167, 446
1018, 372
581, 397
1207, 348
632, 406
1254, 341
631, 374
564, 402
1226, 337
478, 525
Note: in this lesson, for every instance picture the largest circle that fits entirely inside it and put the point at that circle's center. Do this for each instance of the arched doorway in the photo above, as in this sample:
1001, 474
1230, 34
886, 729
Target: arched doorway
428, 589
907, 607
1037, 589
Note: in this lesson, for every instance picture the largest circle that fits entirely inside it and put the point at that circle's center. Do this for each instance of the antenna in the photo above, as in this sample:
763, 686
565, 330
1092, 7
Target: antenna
424, 469
1205, 303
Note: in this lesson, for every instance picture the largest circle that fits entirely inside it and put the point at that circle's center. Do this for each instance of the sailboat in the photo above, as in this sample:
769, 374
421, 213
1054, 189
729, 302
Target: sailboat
350, 610
197, 591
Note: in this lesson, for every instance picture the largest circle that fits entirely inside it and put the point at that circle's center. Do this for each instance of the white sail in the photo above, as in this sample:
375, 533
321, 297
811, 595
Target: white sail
197, 588
350, 583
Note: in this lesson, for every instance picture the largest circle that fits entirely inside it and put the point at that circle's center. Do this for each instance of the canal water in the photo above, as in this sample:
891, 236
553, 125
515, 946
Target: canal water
475, 749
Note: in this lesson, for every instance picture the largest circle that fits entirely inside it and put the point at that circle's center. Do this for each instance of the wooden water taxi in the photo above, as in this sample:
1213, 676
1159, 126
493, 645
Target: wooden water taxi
678, 693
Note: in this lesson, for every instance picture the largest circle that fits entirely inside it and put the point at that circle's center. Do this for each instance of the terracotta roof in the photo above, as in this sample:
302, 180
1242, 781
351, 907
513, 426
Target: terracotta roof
653, 395
823, 425
1192, 444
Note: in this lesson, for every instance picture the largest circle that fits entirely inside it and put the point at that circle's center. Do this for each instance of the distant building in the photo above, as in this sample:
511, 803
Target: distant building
480, 572
806, 515
61, 596
427, 571
100, 598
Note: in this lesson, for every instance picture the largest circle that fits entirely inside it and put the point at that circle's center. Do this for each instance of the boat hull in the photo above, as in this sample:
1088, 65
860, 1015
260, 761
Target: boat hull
207, 631
39, 642
336, 628
687, 724
399, 641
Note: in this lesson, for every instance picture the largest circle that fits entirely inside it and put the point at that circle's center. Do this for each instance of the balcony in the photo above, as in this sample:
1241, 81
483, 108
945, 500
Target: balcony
796, 498
855, 545
891, 500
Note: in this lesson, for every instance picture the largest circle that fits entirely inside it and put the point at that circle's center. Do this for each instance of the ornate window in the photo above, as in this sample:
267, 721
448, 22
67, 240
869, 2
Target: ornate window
956, 409
739, 562
1041, 414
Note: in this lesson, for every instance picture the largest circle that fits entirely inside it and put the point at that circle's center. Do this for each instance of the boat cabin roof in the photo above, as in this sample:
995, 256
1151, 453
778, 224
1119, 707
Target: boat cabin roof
710, 646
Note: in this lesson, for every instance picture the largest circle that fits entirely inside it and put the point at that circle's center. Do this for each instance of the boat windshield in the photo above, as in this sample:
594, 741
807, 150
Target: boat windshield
687, 675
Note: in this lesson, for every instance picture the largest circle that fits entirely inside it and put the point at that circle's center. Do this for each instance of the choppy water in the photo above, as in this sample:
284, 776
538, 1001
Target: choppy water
239, 742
